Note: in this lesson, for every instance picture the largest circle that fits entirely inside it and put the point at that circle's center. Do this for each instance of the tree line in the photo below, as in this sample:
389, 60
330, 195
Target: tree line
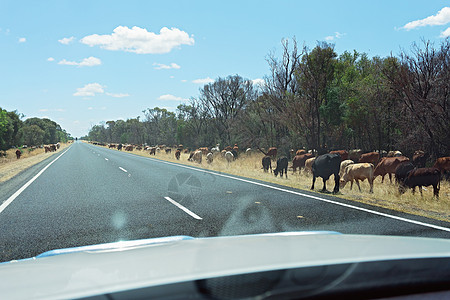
32, 132
313, 99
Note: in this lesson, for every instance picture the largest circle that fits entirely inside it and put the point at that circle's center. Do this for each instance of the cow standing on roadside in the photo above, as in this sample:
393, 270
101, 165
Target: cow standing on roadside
18, 153
324, 166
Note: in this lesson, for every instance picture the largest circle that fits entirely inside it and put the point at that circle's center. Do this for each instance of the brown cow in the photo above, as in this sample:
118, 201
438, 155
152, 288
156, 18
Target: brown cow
152, 150
343, 153
196, 156
388, 165
272, 152
355, 155
422, 177
177, 154
18, 153
129, 148
300, 152
371, 157
204, 150
356, 172
443, 164
299, 161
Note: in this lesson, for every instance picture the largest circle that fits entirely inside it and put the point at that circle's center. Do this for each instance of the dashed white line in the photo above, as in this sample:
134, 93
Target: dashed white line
106, 158
123, 169
183, 208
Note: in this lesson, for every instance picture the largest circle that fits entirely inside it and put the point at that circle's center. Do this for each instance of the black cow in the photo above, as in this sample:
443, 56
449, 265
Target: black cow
267, 163
282, 165
325, 165
402, 171
119, 147
422, 177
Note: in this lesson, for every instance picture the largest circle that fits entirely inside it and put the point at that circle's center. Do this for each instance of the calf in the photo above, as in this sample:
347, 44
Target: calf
388, 165
324, 166
299, 161
267, 163
422, 177
356, 172
282, 165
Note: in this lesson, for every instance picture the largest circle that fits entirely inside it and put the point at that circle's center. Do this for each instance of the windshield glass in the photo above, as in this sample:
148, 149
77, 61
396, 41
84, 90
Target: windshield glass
127, 120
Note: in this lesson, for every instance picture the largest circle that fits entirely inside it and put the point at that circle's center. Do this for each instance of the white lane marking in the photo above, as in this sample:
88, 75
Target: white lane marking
308, 196
19, 191
106, 158
123, 169
183, 208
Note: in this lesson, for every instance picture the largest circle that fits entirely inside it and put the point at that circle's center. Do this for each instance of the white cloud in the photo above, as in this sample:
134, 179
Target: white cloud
50, 59
54, 109
183, 80
441, 18
86, 62
66, 41
169, 97
139, 40
203, 80
445, 33
258, 81
89, 90
119, 95
90, 108
22, 40
43, 109
163, 66
337, 35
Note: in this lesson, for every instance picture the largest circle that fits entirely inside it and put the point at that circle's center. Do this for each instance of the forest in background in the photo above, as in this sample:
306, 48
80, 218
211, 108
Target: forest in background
32, 132
312, 99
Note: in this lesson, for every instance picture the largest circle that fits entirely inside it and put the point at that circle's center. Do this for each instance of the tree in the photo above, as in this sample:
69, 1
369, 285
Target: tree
33, 135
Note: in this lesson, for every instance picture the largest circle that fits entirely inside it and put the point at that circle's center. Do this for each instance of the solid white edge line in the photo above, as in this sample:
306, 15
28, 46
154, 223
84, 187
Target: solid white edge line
308, 196
19, 191
300, 194
123, 169
183, 208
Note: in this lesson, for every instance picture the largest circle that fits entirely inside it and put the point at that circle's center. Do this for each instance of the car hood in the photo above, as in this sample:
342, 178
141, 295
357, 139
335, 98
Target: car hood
105, 268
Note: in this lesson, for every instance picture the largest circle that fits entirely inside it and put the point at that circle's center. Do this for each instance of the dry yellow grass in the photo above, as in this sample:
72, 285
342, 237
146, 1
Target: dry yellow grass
10, 166
384, 194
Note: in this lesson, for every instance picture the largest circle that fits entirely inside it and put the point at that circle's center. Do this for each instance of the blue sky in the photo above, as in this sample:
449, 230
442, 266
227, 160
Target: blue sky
83, 62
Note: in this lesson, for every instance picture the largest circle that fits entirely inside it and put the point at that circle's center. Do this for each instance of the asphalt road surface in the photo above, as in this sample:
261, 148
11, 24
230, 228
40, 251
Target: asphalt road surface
87, 195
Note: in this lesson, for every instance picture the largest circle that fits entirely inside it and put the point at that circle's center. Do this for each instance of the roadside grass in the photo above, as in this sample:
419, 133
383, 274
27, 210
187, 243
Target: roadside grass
384, 194
10, 166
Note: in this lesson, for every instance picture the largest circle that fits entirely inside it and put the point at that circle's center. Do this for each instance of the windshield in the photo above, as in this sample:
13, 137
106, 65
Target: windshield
127, 120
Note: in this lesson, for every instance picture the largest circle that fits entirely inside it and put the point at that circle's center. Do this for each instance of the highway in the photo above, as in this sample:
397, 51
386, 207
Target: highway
87, 195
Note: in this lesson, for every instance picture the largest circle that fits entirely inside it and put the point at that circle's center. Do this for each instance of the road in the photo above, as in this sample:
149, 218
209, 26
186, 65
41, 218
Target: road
88, 195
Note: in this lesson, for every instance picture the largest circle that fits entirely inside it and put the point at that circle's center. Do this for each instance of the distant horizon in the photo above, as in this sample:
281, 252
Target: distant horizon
81, 63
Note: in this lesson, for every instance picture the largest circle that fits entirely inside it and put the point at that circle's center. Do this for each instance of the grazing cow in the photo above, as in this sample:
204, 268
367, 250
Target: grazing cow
152, 151
168, 151
209, 158
422, 177
282, 165
394, 153
344, 164
402, 171
356, 172
267, 163
47, 148
111, 146
177, 154
299, 161
355, 154
196, 156
272, 152
57, 145
139, 147
443, 164
53, 147
229, 156
388, 165
308, 164
18, 153
419, 158
129, 148
342, 153
119, 147
324, 166
371, 157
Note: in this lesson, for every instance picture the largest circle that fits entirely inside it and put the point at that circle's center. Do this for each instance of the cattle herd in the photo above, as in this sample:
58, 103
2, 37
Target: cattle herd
346, 166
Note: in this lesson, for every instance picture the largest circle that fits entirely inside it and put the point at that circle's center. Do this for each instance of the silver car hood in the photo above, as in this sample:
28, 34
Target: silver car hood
106, 268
